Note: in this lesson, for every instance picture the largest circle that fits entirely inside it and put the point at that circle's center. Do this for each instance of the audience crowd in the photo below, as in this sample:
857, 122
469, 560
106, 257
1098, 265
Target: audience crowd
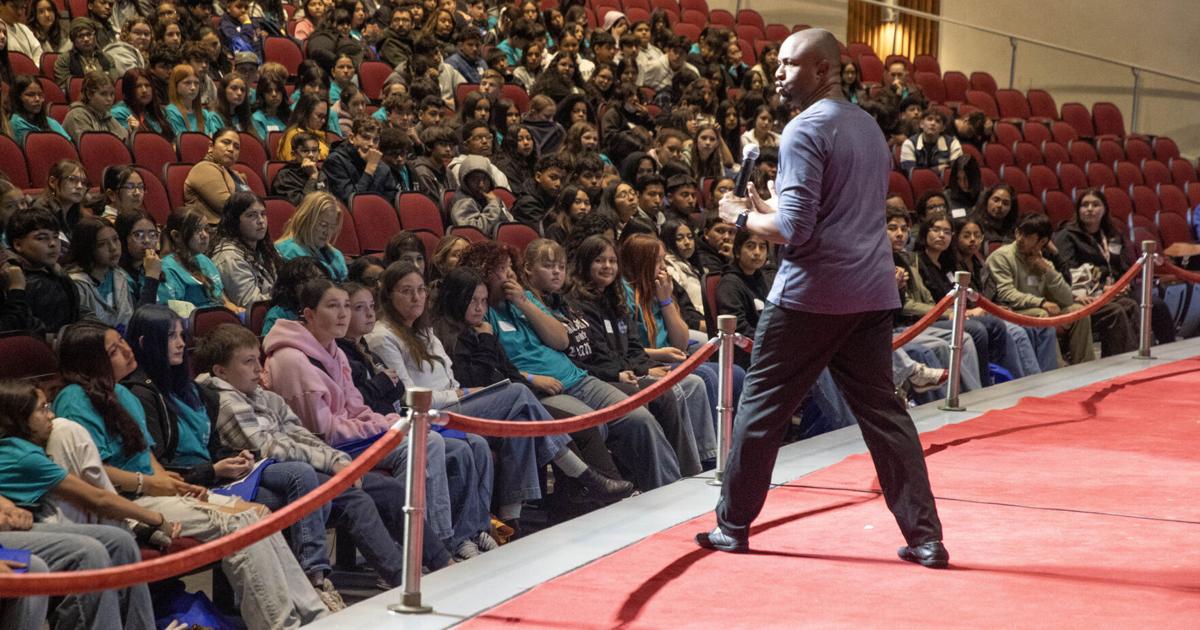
608, 147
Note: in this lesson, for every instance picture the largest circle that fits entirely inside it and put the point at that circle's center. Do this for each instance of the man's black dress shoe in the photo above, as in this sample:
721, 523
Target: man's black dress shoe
720, 541
930, 554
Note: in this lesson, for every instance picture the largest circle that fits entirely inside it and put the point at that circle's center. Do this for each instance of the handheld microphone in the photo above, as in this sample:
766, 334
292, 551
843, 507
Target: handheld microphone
749, 157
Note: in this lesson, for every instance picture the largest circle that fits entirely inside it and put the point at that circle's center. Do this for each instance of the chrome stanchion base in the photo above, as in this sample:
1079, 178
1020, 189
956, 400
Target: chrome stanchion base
410, 604
716, 480
945, 407
1144, 358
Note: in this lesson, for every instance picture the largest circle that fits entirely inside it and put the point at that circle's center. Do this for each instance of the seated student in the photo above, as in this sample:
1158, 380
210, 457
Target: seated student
1027, 283
1091, 239
618, 200
572, 204
366, 270
285, 295
932, 242
251, 418
595, 307
125, 191
185, 442
355, 166
211, 181
311, 232
936, 267
244, 254
308, 370
651, 188
85, 55
185, 111
132, 49
396, 147
405, 246
188, 274
92, 111
300, 176
142, 110
681, 198
232, 105
446, 255
931, 148
139, 253
534, 340
683, 267
478, 140
897, 232
27, 102
467, 60
475, 204
547, 133
33, 235
105, 291
94, 359
430, 169
1043, 355
310, 115
29, 483
66, 186
478, 360
239, 30
996, 212
517, 158
548, 176
350, 104
271, 107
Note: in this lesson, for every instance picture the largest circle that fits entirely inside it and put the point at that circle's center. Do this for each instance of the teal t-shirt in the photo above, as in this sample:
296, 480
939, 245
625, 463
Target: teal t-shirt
526, 350
194, 430
661, 340
178, 283
330, 258
72, 403
121, 113
265, 124
205, 122
274, 314
27, 474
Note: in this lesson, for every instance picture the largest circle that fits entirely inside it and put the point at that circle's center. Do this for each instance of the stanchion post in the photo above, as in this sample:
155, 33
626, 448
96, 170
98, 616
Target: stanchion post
418, 399
1149, 250
962, 280
726, 333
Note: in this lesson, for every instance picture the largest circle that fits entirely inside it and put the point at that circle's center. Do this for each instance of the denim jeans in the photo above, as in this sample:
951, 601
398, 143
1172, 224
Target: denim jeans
73, 547
636, 440
269, 586
283, 483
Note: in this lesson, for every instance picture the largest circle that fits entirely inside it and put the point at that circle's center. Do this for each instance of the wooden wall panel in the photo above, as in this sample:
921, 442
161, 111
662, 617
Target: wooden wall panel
909, 35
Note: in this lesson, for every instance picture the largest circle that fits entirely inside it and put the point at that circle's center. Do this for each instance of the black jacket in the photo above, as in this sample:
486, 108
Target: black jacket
480, 360
430, 179
293, 183
744, 297
709, 259
531, 208
164, 428
1076, 248
53, 302
345, 170
939, 280
613, 349
14, 311
378, 390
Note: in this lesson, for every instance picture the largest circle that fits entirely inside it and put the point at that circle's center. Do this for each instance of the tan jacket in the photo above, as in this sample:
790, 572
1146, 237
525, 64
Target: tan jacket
207, 188
1019, 287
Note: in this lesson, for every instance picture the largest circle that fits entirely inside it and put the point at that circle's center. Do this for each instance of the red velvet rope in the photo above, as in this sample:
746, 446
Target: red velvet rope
920, 325
65, 582
1065, 318
508, 428
1167, 268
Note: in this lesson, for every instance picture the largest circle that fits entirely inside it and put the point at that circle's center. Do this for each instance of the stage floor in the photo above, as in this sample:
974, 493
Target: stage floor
465, 591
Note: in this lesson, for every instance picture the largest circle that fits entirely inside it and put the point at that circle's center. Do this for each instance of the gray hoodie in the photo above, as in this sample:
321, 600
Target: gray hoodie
263, 422
81, 118
474, 210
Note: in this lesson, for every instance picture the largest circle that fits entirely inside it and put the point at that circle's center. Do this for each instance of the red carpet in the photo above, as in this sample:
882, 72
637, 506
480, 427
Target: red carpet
1079, 510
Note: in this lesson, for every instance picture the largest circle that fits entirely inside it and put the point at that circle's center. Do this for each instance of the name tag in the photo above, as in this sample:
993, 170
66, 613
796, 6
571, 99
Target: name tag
608, 327
958, 213
506, 327
1114, 248
759, 305
1033, 280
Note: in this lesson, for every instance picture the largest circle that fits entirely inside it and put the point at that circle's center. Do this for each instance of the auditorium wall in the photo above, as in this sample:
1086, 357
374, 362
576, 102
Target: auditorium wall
1157, 34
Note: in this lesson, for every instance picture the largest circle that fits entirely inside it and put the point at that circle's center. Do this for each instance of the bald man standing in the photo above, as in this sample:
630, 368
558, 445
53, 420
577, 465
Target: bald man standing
830, 306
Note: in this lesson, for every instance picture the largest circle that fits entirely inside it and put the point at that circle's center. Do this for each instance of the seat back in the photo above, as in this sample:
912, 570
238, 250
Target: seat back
1025, 153
931, 85
1155, 173
1063, 133
924, 180
1076, 115
1120, 206
1041, 179
711, 281
1056, 154
285, 51
1036, 133
193, 146
1012, 104
42, 150
518, 235
252, 179
1109, 151
1182, 171
1145, 201
156, 203
1165, 148
371, 77
1015, 177
1058, 206
1007, 134
12, 162
153, 152
1082, 152
469, 233
1041, 104
1071, 177
99, 149
253, 153
1171, 199
175, 175
996, 155
1108, 120
1100, 174
984, 101
279, 212
347, 239
1137, 149
418, 212
984, 82
957, 85
375, 221
204, 320
1128, 174
872, 68
26, 357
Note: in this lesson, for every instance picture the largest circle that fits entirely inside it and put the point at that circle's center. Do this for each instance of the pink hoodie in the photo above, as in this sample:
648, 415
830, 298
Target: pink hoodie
326, 400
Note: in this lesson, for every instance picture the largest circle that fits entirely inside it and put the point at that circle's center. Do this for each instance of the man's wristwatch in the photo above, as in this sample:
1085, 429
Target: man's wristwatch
740, 222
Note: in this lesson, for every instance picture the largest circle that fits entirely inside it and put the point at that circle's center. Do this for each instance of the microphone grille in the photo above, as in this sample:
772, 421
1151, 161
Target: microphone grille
750, 152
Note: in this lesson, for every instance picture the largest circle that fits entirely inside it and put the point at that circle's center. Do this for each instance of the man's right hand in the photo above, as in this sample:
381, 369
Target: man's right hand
1051, 307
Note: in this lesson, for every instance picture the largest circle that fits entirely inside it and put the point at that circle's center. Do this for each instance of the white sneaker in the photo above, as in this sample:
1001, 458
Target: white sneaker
329, 595
466, 550
485, 542
925, 378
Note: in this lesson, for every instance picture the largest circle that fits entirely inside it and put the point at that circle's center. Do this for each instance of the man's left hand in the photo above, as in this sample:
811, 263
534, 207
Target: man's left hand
730, 207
